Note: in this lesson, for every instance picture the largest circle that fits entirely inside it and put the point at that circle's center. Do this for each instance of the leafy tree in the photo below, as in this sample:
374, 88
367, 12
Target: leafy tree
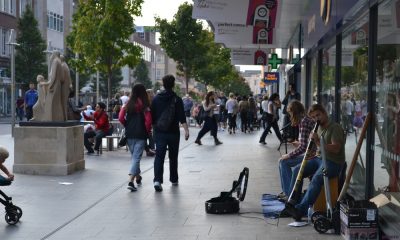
30, 58
103, 83
100, 33
236, 84
84, 76
214, 64
141, 74
180, 39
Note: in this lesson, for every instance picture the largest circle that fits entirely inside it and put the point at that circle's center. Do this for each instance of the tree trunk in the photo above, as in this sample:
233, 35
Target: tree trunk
109, 93
186, 83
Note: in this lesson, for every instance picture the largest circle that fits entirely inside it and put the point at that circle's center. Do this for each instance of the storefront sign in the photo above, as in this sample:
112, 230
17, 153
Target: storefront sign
240, 34
271, 77
240, 56
221, 10
274, 61
261, 13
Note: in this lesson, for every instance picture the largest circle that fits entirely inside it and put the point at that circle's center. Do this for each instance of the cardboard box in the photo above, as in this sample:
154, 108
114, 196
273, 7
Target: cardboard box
358, 233
359, 214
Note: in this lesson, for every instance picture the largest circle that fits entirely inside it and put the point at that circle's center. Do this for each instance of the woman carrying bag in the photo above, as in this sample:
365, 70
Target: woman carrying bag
136, 117
210, 123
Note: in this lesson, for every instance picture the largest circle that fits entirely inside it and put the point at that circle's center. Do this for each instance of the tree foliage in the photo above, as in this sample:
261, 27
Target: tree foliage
141, 74
214, 65
181, 40
103, 83
30, 58
100, 33
84, 75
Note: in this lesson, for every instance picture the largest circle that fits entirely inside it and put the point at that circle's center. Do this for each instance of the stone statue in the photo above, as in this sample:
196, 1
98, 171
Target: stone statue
38, 108
66, 86
54, 106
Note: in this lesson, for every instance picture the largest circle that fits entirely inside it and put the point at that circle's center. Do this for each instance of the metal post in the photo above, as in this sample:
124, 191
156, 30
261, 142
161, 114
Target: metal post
76, 82
12, 45
48, 54
97, 86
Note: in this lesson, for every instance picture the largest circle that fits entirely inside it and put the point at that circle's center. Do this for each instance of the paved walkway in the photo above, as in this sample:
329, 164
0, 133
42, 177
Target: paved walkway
97, 204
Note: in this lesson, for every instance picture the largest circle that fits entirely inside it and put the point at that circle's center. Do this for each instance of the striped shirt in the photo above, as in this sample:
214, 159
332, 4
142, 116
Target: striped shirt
305, 128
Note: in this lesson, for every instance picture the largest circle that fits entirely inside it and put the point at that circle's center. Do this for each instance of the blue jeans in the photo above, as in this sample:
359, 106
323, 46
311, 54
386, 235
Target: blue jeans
313, 167
164, 140
285, 171
136, 147
4, 181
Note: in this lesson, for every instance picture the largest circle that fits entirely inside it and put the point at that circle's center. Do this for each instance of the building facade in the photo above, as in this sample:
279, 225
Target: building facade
351, 64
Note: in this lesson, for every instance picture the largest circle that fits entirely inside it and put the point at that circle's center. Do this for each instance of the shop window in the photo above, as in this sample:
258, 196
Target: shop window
328, 79
314, 78
353, 95
387, 140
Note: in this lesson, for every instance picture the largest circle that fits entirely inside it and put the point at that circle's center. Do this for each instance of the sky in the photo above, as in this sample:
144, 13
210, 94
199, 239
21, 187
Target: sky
165, 9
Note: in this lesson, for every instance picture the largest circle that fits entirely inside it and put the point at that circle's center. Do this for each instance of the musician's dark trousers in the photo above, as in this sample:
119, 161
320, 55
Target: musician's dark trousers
313, 167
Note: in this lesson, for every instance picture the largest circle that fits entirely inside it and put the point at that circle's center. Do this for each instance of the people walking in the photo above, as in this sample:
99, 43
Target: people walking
136, 117
210, 123
170, 137
243, 112
274, 104
232, 109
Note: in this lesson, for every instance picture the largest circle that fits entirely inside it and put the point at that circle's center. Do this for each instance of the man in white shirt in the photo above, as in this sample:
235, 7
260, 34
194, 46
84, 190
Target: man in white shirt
125, 98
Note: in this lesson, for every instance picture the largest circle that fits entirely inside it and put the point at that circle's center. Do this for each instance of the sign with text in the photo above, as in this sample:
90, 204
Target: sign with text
260, 13
249, 56
271, 77
220, 10
240, 34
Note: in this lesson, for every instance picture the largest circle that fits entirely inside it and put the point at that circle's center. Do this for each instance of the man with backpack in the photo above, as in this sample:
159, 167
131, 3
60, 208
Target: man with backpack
167, 112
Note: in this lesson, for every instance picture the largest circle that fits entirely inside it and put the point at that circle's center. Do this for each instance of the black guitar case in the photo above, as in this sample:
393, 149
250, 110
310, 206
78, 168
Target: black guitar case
225, 203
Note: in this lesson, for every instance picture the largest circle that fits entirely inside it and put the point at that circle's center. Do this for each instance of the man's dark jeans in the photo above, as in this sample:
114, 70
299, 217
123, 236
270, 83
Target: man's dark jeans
98, 135
164, 141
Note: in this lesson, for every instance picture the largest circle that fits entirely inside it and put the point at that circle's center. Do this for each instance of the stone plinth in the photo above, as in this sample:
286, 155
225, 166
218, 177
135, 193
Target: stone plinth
48, 150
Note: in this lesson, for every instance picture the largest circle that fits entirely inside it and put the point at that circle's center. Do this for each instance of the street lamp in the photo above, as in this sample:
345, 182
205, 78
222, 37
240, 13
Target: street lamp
97, 81
76, 82
48, 52
12, 44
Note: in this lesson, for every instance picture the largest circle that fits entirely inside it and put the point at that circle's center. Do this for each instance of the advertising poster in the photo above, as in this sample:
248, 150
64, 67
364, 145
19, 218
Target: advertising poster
262, 13
220, 10
240, 34
240, 56
271, 77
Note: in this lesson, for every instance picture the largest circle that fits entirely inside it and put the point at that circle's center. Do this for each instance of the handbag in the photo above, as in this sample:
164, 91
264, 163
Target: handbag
122, 140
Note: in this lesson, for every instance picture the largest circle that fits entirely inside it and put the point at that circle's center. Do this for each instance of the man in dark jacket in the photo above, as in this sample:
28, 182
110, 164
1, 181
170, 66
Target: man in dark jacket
170, 137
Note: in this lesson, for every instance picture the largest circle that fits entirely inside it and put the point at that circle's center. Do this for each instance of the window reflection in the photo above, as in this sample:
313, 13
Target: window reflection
328, 79
387, 140
353, 95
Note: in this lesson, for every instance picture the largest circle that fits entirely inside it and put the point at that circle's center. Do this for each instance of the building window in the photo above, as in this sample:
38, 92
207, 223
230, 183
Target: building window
55, 21
4, 48
8, 6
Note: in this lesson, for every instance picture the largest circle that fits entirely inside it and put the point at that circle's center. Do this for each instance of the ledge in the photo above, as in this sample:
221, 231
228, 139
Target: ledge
50, 124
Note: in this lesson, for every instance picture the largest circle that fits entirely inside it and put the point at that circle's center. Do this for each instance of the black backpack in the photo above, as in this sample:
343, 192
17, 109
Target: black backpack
135, 127
167, 118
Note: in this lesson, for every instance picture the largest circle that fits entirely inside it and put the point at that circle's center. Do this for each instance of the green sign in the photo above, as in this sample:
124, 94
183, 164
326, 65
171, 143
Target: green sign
274, 61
